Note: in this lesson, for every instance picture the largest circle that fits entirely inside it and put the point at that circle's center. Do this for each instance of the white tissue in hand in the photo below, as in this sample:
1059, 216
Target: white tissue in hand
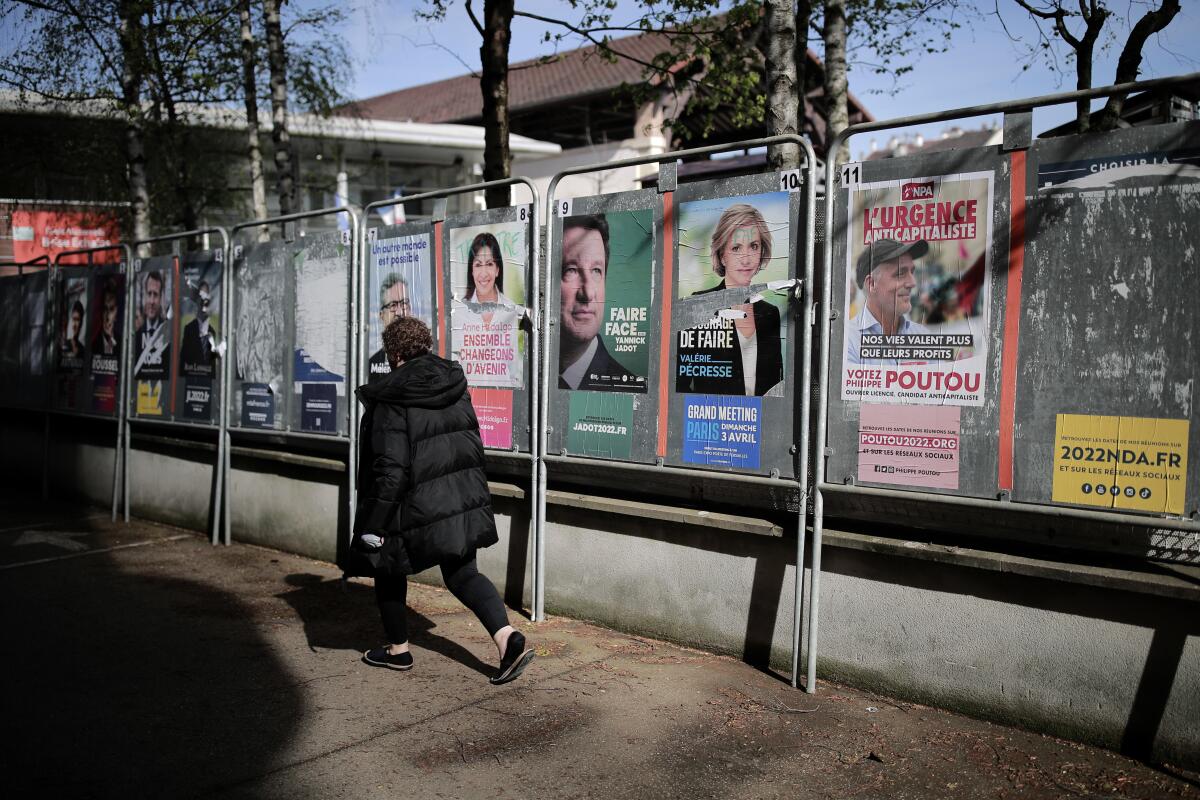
372, 541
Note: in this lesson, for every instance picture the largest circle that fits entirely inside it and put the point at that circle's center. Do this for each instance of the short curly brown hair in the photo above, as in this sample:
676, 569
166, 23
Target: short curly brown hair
406, 338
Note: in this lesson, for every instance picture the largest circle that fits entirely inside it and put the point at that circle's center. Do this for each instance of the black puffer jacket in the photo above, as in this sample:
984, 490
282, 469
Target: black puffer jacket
420, 472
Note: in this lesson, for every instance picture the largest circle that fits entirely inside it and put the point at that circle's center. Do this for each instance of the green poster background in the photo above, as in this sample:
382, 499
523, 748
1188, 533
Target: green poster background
600, 424
629, 286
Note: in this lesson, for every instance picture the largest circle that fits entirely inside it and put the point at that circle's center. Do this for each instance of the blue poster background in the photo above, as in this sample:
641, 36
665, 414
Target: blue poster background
722, 430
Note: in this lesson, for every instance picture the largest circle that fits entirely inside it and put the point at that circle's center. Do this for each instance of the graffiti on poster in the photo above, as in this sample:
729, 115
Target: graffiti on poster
909, 445
918, 277
487, 276
494, 409
600, 424
605, 298
261, 289
1121, 171
200, 317
322, 314
1130, 463
722, 431
109, 305
152, 338
731, 315
72, 324
400, 284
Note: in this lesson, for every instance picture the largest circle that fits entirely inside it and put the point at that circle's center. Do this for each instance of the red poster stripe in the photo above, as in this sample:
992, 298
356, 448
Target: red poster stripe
1012, 320
664, 342
441, 288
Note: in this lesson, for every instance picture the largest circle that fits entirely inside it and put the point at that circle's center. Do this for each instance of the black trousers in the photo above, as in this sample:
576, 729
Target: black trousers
463, 580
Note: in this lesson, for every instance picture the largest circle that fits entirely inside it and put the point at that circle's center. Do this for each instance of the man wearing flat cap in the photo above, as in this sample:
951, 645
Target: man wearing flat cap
887, 275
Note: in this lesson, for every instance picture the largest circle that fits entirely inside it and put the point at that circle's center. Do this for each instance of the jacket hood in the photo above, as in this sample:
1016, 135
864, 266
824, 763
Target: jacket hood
424, 382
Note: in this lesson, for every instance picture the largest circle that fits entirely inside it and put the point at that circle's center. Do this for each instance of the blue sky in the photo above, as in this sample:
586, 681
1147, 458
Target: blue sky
394, 51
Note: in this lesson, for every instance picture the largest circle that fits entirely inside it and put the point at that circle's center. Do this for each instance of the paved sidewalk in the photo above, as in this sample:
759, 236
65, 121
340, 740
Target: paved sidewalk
139, 661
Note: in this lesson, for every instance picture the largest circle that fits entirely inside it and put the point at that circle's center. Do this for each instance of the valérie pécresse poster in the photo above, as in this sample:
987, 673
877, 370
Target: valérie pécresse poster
730, 327
606, 283
918, 278
487, 278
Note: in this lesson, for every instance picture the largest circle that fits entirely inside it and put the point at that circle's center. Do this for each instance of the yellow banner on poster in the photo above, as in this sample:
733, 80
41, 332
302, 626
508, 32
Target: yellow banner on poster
1133, 463
149, 398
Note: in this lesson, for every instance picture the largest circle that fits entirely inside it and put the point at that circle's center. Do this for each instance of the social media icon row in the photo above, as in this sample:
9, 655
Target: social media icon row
1114, 490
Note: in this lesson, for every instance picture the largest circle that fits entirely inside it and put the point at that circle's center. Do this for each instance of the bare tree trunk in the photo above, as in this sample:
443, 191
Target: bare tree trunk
493, 55
285, 186
133, 57
836, 89
783, 93
804, 11
1130, 61
258, 185
1085, 48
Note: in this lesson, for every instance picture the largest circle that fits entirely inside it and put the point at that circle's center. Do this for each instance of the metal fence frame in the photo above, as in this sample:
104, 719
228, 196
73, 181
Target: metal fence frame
122, 380
802, 384
534, 295
820, 485
351, 439
219, 476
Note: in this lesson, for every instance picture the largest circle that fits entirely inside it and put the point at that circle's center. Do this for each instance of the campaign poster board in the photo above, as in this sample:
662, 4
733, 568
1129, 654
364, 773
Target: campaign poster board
733, 340
321, 340
34, 338
400, 283
917, 276
488, 264
604, 299
261, 338
71, 301
202, 328
105, 337
605, 292
10, 338
734, 347
1109, 337
156, 300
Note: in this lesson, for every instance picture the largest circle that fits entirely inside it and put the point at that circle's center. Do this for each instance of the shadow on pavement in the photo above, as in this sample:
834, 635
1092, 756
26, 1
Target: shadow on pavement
341, 615
121, 684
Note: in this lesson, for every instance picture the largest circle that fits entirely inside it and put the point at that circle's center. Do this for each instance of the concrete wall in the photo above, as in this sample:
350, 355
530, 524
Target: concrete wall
1099, 654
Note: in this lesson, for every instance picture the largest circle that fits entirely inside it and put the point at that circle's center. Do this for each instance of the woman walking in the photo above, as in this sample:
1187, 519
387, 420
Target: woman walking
423, 497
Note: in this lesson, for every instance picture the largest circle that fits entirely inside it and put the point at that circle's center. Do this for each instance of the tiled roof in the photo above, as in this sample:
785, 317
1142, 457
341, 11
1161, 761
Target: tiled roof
574, 73
531, 83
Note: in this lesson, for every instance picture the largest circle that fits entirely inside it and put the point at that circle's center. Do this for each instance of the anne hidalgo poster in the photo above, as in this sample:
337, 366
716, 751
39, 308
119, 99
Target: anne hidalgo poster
731, 325
487, 280
918, 277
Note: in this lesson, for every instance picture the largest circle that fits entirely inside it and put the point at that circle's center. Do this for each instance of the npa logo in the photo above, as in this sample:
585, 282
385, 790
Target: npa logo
916, 191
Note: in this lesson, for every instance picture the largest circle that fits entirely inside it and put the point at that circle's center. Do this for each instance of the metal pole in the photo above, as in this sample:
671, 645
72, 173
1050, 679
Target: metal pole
119, 454
805, 389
